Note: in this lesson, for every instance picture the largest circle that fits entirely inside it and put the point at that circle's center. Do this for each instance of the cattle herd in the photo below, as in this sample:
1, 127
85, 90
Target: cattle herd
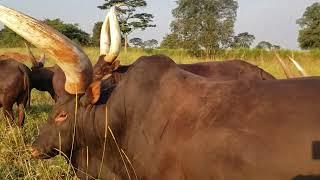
158, 120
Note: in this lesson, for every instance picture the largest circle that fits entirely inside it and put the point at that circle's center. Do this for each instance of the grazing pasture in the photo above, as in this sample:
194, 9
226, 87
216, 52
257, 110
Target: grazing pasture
15, 162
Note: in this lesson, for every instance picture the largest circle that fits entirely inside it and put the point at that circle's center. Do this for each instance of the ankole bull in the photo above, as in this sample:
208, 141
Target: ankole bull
162, 122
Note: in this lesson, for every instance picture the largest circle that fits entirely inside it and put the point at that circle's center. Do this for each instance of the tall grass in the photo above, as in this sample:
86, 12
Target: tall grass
15, 162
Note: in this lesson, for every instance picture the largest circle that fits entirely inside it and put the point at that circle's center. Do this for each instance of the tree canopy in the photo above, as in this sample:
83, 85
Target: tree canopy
152, 43
309, 35
264, 45
203, 24
171, 41
8, 38
267, 45
72, 31
243, 40
136, 42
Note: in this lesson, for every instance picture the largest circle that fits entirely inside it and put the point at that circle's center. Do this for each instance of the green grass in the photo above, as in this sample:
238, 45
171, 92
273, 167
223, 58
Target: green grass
15, 162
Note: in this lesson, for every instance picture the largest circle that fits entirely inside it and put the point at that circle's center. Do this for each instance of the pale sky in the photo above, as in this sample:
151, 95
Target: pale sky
270, 20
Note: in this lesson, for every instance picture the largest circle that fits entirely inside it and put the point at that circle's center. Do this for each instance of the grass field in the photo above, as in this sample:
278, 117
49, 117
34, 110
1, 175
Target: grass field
15, 162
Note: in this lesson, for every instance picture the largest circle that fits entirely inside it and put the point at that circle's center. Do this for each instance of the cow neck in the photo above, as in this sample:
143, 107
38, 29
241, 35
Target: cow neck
41, 79
120, 72
89, 128
90, 139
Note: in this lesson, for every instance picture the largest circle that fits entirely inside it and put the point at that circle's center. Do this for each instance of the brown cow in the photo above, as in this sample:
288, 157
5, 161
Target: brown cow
172, 124
14, 88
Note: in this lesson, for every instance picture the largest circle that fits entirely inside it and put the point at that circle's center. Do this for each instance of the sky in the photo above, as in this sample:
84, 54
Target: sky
269, 20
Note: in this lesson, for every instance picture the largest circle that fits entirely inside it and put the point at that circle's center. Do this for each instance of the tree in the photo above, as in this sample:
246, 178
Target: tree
243, 40
171, 41
129, 19
309, 35
204, 24
264, 45
267, 45
8, 38
151, 44
96, 33
137, 42
276, 47
72, 31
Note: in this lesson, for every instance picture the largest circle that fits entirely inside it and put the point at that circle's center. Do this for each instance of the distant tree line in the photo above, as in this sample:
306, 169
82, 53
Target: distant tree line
204, 26
210, 26
138, 42
72, 31
130, 16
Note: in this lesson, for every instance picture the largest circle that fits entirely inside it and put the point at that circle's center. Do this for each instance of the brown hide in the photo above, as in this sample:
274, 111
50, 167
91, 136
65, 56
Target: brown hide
217, 71
227, 70
174, 125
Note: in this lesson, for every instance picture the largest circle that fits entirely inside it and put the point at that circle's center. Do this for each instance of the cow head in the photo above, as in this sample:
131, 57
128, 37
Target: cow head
103, 68
82, 91
56, 134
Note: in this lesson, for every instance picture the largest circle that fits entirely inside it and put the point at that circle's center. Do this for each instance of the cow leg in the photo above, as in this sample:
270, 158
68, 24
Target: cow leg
28, 101
22, 103
8, 113
21, 115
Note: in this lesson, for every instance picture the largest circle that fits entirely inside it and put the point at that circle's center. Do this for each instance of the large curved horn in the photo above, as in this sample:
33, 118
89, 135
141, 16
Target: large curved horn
68, 55
285, 68
31, 56
299, 67
110, 37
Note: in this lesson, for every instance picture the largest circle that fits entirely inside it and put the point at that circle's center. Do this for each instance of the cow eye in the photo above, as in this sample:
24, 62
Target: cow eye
62, 116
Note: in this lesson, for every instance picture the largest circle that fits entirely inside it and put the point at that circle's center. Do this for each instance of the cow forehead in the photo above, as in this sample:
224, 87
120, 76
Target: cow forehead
65, 103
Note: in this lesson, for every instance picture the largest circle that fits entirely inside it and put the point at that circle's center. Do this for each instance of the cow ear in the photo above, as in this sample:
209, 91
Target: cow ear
115, 65
93, 93
42, 60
